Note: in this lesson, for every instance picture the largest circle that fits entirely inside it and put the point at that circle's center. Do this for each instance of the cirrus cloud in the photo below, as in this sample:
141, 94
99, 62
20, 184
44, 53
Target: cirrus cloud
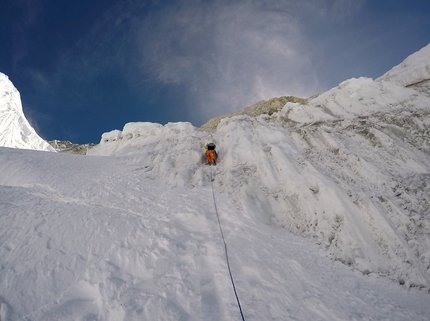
228, 55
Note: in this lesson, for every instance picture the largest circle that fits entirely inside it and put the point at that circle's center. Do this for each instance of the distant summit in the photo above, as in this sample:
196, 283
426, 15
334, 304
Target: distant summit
15, 130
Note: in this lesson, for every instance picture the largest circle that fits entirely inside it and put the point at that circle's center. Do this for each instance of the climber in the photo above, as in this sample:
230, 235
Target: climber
211, 154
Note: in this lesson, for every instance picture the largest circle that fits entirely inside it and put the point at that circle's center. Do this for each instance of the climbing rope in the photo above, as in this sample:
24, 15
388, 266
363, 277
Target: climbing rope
225, 248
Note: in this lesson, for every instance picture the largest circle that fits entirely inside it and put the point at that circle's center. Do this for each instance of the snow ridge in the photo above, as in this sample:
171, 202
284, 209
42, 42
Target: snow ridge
15, 130
413, 70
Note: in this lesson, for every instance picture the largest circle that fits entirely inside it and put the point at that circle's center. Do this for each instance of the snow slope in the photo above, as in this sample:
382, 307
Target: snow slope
103, 238
15, 130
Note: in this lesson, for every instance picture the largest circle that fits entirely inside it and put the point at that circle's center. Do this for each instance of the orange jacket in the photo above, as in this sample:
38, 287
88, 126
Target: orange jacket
211, 155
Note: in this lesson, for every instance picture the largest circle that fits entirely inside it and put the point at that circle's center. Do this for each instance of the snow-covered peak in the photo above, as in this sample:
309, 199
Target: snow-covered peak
413, 70
15, 130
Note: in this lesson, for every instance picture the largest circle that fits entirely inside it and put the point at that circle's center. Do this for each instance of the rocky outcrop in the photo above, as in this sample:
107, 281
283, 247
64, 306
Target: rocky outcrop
262, 107
70, 148
422, 86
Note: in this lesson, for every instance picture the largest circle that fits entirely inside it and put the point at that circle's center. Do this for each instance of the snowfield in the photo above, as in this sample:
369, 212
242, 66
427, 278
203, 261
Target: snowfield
103, 238
325, 209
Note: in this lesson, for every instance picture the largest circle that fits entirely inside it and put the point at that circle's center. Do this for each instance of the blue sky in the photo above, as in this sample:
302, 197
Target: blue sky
85, 67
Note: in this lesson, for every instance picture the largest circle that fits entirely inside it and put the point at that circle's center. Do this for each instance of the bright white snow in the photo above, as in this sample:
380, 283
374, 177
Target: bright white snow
102, 238
15, 130
325, 210
413, 70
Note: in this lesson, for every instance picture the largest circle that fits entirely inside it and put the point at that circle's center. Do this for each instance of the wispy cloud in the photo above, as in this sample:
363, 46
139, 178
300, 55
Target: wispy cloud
231, 54
225, 55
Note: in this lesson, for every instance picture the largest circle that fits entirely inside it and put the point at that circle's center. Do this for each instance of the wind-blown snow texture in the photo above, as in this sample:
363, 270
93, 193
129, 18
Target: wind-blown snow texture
134, 236
15, 130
